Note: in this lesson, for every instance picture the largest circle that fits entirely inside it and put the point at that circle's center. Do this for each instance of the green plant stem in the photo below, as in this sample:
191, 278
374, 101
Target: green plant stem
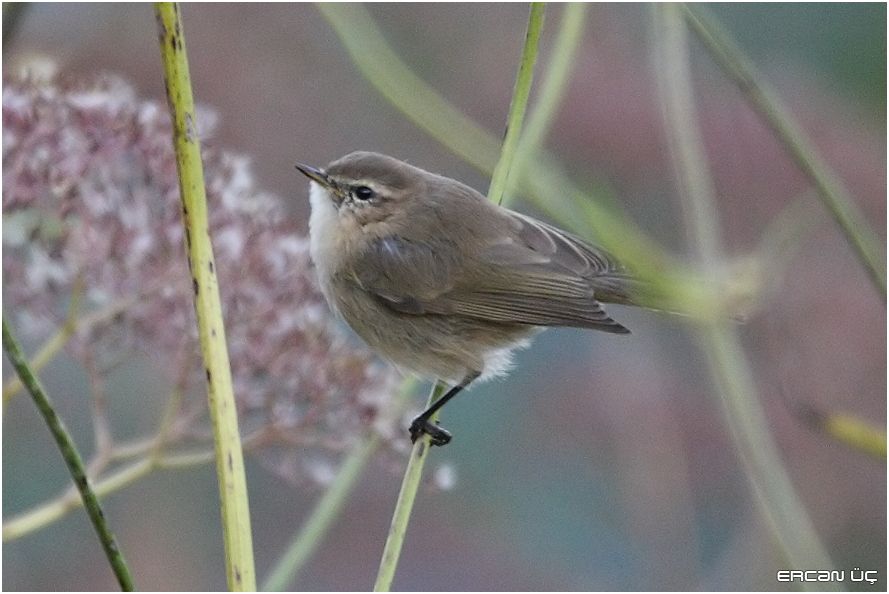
392, 78
552, 89
834, 195
781, 506
518, 105
151, 452
847, 429
856, 433
405, 503
413, 473
72, 459
47, 513
235, 509
686, 148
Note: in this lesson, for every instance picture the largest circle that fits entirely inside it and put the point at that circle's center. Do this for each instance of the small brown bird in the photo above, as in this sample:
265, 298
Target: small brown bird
441, 281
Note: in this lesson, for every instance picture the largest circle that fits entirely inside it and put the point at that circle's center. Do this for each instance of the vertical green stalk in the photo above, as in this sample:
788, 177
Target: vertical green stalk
72, 459
833, 193
552, 89
211, 329
411, 482
518, 105
405, 503
779, 502
683, 136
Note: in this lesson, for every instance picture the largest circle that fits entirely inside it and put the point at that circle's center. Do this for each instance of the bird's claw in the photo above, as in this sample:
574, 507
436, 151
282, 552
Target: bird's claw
438, 436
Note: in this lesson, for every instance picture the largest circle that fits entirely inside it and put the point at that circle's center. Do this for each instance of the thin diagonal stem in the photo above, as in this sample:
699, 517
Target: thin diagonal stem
388, 73
779, 502
45, 514
833, 193
518, 105
552, 89
847, 429
72, 458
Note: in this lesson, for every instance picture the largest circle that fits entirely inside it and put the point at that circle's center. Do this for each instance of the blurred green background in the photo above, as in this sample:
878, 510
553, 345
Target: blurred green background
602, 462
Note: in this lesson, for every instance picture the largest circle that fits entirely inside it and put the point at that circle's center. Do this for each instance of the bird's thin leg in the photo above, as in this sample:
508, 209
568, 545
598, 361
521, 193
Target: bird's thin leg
422, 424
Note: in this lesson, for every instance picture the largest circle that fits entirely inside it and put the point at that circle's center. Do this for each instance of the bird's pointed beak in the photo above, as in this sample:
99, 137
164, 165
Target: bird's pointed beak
315, 174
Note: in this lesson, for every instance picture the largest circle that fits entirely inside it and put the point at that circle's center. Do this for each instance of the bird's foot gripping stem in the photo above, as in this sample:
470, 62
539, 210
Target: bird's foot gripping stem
422, 425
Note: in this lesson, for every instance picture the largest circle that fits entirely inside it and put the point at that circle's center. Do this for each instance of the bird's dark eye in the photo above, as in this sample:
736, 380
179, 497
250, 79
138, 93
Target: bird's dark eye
364, 193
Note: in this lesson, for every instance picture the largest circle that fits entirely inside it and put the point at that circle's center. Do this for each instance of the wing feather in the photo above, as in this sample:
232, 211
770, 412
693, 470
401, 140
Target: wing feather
534, 274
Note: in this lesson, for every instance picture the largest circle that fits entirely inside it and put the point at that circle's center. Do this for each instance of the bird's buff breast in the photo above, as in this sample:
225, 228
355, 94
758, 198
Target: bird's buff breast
433, 346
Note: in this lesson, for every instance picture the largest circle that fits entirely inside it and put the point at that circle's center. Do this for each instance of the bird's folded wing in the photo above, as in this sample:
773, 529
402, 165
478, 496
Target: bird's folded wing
508, 281
523, 306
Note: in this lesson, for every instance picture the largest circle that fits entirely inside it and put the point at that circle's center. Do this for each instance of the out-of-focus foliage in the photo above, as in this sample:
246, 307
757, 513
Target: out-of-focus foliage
90, 199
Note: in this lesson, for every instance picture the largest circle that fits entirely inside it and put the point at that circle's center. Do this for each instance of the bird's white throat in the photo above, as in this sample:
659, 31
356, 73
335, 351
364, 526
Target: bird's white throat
322, 227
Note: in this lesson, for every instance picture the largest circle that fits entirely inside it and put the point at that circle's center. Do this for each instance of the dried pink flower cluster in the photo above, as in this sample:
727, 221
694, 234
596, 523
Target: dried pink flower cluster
90, 194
